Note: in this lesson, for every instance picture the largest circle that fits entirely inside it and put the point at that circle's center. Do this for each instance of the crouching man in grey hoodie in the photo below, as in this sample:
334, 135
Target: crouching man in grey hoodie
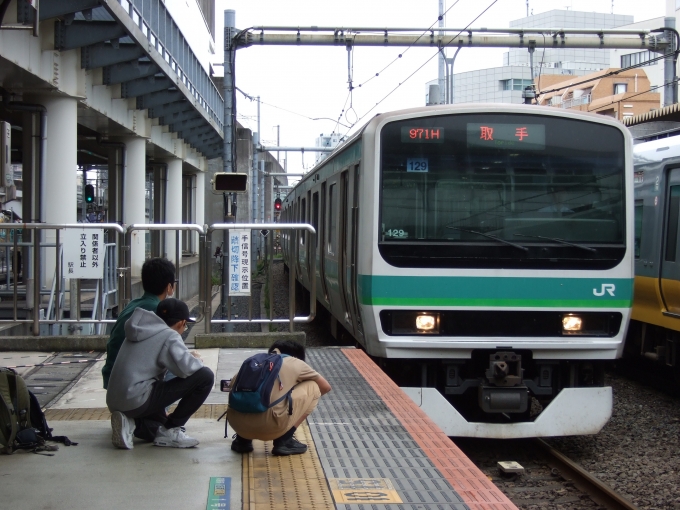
137, 394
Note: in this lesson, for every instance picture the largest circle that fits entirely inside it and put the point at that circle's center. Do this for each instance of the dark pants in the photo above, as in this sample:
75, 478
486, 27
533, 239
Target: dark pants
191, 393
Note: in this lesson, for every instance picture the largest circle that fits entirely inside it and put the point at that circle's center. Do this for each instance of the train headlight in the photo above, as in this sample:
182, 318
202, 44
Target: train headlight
571, 324
426, 323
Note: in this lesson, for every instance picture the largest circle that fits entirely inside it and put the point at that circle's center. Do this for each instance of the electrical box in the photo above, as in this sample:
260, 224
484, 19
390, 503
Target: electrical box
5, 152
229, 182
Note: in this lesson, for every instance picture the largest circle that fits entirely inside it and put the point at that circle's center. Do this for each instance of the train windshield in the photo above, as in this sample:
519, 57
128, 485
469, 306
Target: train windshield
502, 190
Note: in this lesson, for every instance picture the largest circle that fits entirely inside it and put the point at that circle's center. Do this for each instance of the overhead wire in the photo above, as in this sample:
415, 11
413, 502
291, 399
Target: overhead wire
420, 67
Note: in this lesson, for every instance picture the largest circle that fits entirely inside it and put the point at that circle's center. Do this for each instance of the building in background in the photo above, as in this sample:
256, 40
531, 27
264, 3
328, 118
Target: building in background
623, 95
504, 84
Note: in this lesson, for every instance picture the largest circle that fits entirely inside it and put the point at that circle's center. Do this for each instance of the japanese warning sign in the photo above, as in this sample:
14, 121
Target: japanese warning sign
239, 262
83, 253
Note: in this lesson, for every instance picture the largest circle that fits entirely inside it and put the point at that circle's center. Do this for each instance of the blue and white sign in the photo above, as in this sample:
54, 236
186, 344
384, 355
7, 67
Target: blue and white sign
239, 262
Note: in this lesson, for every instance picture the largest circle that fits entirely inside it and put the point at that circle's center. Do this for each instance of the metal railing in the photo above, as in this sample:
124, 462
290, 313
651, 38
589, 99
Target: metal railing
575, 101
118, 280
296, 228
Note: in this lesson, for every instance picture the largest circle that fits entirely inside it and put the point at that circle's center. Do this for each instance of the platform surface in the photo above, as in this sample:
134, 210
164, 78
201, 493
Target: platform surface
370, 447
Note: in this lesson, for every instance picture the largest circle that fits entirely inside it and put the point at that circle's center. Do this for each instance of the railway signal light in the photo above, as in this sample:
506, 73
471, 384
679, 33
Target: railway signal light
277, 204
89, 193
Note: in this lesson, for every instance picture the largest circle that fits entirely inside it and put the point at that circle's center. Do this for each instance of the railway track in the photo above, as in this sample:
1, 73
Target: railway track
550, 480
598, 491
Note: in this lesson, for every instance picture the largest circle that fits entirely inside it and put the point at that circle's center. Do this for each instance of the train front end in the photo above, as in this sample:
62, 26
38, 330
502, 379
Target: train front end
500, 270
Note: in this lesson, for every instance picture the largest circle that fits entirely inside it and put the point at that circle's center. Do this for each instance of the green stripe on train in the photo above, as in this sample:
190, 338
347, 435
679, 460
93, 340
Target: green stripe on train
495, 291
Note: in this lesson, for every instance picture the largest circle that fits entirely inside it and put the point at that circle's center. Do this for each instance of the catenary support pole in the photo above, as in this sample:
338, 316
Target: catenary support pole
228, 152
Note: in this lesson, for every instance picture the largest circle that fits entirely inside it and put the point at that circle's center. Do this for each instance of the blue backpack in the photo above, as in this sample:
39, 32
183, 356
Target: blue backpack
254, 384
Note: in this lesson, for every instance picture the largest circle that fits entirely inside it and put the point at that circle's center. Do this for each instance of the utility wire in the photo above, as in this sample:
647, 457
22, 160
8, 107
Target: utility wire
419, 68
251, 98
408, 47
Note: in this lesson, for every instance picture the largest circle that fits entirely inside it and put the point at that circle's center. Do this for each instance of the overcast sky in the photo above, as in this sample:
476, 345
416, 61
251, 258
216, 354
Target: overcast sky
311, 82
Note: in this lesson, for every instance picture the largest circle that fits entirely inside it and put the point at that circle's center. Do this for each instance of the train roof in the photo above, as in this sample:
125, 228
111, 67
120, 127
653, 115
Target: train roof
426, 111
656, 151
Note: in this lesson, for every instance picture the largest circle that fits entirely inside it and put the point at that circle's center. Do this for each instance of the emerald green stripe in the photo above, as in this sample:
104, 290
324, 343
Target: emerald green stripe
546, 303
495, 291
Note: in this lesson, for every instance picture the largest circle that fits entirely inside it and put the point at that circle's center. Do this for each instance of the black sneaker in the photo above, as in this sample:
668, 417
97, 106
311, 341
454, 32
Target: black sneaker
241, 445
291, 447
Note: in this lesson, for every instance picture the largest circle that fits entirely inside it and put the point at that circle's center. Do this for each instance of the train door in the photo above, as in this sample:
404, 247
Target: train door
330, 249
346, 251
321, 237
354, 252
670, 256
314, 247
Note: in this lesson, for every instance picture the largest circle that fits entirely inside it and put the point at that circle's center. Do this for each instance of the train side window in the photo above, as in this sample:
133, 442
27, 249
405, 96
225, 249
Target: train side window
315, 216
672, 231
638, 227
303, 219
332, 220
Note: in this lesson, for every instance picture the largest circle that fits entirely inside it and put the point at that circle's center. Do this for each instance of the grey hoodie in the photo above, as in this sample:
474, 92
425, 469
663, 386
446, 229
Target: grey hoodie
150, 349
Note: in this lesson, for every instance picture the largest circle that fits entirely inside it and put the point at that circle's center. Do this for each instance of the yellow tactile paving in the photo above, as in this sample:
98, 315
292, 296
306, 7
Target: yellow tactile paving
282, 483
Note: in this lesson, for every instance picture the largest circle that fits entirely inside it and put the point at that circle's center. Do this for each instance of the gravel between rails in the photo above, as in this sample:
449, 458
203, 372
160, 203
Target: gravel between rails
637, 453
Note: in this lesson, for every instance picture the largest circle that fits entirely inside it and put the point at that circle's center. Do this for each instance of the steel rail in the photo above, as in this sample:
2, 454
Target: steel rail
599, 491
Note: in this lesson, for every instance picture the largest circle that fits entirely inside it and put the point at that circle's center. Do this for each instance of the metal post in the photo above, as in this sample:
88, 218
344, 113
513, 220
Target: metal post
36, 284
203, 258
15, 269
270, 273
228, 152
441, 64
208, 281
126, 272
291, 278
57, 275
670, 89
177, 241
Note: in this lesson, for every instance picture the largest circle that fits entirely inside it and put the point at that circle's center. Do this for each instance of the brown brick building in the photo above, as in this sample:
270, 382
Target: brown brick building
621, 95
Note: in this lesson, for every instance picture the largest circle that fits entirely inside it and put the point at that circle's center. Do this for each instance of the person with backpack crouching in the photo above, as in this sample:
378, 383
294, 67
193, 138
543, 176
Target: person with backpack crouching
138, 395
297, 388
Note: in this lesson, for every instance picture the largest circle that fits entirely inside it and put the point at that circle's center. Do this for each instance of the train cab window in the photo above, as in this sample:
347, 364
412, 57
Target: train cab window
315, 216
672, 230
332, 219
303, 219
638, 227
487, 190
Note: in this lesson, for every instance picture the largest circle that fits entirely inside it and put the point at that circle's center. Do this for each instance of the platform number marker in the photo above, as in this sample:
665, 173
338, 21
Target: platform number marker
363, 490
219, 493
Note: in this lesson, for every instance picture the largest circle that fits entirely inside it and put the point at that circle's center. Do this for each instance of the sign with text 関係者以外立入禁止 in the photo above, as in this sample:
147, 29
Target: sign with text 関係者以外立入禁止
239, 262
83, 253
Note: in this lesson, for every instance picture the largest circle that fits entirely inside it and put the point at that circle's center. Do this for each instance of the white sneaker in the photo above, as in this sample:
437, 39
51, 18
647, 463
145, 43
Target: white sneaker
123, 431
174, 437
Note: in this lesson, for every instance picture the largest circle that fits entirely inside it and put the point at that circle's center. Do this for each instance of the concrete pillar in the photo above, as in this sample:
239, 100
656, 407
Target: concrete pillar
59, 187
134, 198
173, 209
199, 204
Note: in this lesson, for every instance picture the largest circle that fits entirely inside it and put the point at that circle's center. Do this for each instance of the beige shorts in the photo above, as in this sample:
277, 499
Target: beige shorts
276, 421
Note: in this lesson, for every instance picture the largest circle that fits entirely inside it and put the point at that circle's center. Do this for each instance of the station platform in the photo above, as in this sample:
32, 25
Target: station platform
370, 447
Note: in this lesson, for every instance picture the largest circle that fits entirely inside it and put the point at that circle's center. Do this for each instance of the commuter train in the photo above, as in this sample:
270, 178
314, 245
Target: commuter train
655, 325
483, 256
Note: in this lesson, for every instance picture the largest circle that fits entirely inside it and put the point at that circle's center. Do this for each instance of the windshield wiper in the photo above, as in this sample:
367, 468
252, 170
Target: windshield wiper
561, 241
520, 247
